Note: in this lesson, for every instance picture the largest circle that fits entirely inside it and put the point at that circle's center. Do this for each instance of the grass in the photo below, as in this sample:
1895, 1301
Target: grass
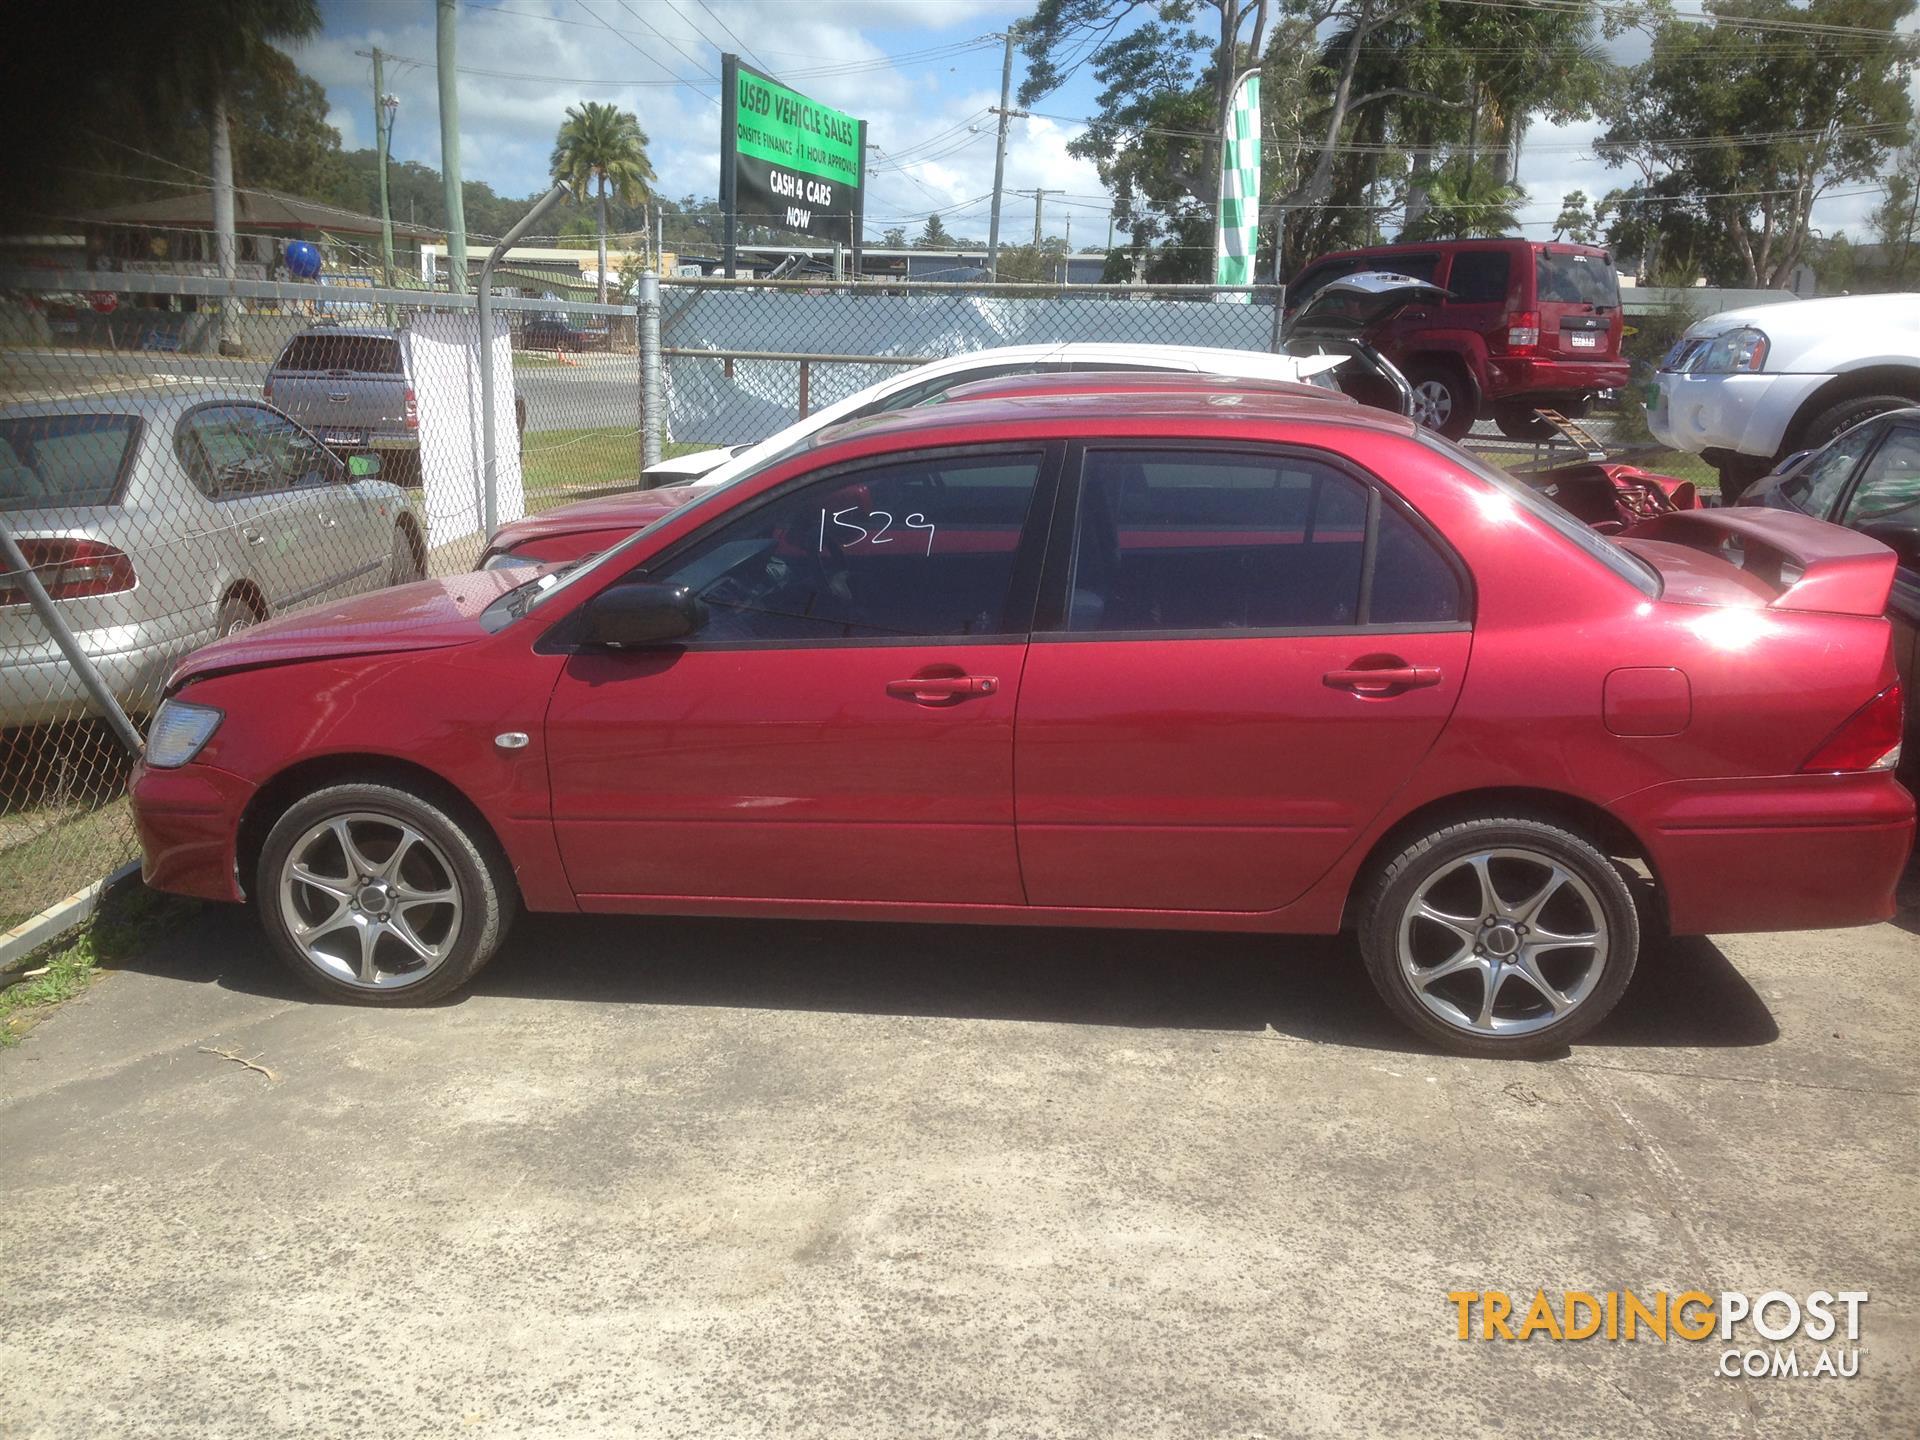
126, 923
523, 361
562, 465
74, 849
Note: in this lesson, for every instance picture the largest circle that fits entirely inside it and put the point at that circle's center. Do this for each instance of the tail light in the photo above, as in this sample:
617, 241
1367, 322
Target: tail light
69, 570
1869, 740
413, 410
1521, 335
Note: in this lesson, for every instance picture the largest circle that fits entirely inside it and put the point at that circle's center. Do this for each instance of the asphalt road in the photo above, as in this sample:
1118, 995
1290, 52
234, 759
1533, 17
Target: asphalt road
704, 1178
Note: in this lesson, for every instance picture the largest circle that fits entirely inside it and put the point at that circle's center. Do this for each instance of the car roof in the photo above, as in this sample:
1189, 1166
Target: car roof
158, 404
1085, 415
371, 332
1223, 359
1140, 382
1493, 242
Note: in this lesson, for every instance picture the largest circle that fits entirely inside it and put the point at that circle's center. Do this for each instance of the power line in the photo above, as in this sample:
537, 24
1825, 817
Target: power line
727, 30
698, 64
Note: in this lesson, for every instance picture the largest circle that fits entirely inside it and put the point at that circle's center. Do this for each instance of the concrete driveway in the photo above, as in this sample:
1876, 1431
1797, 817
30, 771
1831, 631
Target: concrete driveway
728, 1179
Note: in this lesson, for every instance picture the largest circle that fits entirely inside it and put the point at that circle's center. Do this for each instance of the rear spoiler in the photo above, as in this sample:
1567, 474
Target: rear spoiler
1811, 564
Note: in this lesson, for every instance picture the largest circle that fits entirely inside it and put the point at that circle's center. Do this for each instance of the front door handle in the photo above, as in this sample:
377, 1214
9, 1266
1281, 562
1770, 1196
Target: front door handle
1384, 680
943, 689
254, 537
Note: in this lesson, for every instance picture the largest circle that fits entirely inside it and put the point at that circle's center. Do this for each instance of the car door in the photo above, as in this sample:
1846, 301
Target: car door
1885, 500
842, 727
261, 520
344, 548
1241, 652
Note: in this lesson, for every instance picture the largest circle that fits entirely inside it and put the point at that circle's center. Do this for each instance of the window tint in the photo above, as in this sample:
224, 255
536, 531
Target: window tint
1420, 267
1310, 281
932, 392
1186, 540
1821, 477
917, 548
1566, 278
1479, 276
236, 450
1412, 582
63, 459
368, 354
1890, 487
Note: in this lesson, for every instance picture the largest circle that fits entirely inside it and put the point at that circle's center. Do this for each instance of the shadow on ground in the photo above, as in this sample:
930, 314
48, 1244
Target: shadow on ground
1685, 993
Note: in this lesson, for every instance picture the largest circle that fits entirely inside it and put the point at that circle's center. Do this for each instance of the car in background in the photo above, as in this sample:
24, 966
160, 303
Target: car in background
353, 386
1747, 388
156, 528
1868, 479
558, 333
1523, 324
1281, 665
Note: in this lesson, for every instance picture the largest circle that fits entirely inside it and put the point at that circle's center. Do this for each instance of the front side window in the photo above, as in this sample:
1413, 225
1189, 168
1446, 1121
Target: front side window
236, 450
1889, 488
1821, 479
1178, 540
923, 547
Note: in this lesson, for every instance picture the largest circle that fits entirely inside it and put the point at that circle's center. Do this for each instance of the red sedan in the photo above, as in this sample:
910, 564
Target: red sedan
1280, 665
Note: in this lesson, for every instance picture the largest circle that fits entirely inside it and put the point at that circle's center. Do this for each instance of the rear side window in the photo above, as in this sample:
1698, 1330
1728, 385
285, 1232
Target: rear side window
1479, 277
63, 459
1420, 267
1569, 278
363, 354
1310, 281
1890, 488
1819, 481
1179, 540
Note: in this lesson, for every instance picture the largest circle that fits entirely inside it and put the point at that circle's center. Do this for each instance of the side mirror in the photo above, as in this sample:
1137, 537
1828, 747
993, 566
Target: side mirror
1901, 537
643, 613
363, 467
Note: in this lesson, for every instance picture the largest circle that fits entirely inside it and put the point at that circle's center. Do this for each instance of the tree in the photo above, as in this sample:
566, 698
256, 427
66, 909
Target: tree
894, 237
601, 148
1896, 223
1745, 131
1576, 221
1467, 202
935, 236
1033, 264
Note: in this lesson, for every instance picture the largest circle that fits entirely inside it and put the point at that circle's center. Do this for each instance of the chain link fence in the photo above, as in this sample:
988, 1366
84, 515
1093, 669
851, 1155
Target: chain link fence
181, 459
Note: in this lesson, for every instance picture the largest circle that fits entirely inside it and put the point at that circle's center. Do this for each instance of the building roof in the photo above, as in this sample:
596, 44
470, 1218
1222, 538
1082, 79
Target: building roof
254, 210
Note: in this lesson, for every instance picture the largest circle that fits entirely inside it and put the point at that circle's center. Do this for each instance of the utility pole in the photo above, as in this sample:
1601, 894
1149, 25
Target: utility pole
444, 56
383, 107
1064, 259
1039, 198
1006, 113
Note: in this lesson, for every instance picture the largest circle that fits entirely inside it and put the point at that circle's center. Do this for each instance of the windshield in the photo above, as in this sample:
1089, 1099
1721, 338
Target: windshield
545, 587
1631, 568
63, 459
1566, 277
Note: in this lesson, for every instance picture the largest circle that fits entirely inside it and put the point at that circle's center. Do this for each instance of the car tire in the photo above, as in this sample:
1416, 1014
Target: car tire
236, 613
1462, 901
1835, 419
1442, 398
1523, 425
408, 561
375, 895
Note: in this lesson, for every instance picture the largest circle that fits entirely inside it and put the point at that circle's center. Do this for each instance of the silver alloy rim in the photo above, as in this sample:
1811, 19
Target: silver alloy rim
1432, 403
1513, 965
370, 901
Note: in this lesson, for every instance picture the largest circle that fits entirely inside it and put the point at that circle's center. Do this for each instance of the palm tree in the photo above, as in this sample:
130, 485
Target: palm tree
191, 56
1465, 204
603, 146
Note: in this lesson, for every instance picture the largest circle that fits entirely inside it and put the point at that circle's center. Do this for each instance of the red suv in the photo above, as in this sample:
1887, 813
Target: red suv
1528, 323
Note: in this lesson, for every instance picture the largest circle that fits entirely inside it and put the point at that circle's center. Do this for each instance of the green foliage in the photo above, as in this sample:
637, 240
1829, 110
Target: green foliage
602, 151
1896, 223
1467, 203
1809, 116
893, 238
1576, 221
935, 236
1038, 264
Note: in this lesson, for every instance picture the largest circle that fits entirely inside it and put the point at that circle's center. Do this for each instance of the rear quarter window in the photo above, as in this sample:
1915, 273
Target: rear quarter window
1479, 277
51, 460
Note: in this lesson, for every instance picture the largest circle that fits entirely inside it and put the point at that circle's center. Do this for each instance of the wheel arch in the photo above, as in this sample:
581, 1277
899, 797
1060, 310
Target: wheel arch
272, 800
248, 591
1606, 830
408, 526
1868, 379
1457, 358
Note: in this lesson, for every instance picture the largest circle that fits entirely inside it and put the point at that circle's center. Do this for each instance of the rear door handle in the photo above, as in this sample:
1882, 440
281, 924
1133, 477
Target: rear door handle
1385, 679
943, 689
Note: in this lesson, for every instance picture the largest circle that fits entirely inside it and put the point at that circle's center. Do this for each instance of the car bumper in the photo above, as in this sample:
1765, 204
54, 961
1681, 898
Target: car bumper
188, 822
1785, 852
1747, 414
41, 688
1518, 378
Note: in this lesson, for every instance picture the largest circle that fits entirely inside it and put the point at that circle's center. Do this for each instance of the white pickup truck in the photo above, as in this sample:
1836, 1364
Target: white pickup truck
1746, 388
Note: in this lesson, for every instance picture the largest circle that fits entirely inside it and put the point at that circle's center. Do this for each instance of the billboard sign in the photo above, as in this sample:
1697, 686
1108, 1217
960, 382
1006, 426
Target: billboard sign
788, 162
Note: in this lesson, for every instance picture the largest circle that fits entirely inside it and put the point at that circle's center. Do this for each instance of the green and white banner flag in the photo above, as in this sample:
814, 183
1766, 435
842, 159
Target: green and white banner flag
1239, 189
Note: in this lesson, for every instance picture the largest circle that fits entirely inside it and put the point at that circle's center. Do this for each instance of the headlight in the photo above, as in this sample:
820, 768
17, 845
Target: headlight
507, 560
1742, 349
178, 732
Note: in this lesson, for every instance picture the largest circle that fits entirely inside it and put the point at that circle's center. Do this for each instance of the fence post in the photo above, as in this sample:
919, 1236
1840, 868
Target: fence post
652, 382
56, 624
483, 304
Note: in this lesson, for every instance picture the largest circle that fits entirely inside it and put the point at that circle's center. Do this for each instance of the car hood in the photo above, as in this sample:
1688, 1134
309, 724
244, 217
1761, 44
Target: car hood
427, 615
629, 511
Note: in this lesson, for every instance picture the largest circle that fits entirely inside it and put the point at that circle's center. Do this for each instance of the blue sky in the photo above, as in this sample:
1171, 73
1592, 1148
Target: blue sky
524, 61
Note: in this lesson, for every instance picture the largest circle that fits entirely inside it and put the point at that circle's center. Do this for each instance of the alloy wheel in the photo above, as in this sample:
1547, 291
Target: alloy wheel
1503, 942
370, 901
1432, 403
